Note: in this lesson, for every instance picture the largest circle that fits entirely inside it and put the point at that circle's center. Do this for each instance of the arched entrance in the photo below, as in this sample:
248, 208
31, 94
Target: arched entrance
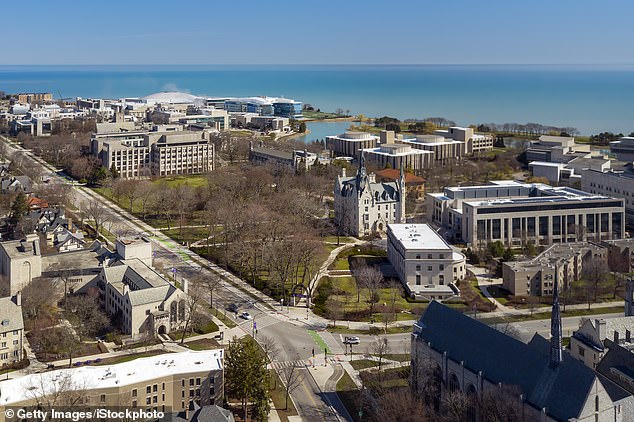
162, 330
299, 295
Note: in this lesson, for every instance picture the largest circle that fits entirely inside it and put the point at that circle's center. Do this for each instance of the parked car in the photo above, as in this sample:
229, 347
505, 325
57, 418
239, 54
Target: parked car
246, 315
351, 340
233, 307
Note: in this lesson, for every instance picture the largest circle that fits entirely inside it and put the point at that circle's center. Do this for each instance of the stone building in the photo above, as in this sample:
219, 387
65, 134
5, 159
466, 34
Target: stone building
364, 206
11, 329
20, 262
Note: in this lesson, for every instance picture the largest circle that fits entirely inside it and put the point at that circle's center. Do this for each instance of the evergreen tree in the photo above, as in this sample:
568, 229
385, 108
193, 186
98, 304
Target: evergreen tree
247, 378
19, 207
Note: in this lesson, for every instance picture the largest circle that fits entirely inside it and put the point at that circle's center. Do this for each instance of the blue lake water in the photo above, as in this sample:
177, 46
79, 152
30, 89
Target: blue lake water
589, 98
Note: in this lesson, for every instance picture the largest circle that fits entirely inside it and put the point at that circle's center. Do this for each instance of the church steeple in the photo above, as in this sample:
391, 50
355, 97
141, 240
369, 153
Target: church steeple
556, 353
361, 173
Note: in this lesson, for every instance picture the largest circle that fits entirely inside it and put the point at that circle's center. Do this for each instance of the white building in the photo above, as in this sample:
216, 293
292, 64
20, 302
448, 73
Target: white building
616, 183
474, 142
11, 329
588, 343
427, 266
350, 144
364, 206
392, 155
514, 213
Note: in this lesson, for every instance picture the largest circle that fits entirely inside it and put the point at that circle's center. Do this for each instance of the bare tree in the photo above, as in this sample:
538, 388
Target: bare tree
502, 403
380, 348
194, 299
97, 213
210, 284
370, 278
333, 310
291, 378
594, 273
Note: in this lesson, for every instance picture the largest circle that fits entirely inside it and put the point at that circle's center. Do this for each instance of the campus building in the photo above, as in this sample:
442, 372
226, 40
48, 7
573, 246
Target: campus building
165, 383
396, 155
616, 183
364, 206
29, 97
426, 265
142, 153
623, 148
349, 144
562, 261
515, 213
454, 352
473, 142
294, 160
444, 150
20, 262
11, 329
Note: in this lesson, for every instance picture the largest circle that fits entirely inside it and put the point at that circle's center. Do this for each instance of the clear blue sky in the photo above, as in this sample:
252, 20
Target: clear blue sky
318, 32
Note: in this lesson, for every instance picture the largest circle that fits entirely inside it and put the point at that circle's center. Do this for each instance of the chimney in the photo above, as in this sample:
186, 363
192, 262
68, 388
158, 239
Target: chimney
386, 137
628, 336
126, 289
185, 286
372, 178
343, 172
601, 328
616, 337
17, 299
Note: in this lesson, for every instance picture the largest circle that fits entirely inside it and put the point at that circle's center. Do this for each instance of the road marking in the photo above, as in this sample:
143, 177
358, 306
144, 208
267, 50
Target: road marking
319, 341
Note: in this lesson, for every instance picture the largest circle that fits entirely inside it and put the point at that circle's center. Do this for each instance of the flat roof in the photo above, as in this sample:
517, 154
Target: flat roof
418, 236
126, 373
411, 151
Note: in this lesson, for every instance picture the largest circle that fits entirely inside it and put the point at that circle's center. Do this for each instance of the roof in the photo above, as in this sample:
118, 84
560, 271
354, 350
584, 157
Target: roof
10, 315
618, 366
561, 390
395, 174
172, 97
90, 377
418, 236
212, 413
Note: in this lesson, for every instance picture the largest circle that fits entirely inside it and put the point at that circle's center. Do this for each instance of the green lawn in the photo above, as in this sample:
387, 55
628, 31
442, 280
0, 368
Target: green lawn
363, 364
547, 315
203, 344
349, 395
278, 396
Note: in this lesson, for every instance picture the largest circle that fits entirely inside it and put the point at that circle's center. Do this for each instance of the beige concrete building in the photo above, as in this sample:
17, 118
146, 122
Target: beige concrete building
563, 262
426, 265
393, 155
137, 153
146, 303
181, 153
163, 383
34, 96
364, 206
473, 142
445, 150
11, 329
20, 262
350, 144
616, 183
138, 247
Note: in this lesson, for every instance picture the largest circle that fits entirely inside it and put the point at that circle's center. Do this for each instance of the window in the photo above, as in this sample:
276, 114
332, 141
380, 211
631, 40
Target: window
155, 399
134, 403
429, 268
429, 256
418, 279
191, 393
441, 267
134, 393
148, 389
197, 381
148, 400
441, 256
418, 268
191, 381
102, 399
155, 388
417, 256
163, 386
581, 351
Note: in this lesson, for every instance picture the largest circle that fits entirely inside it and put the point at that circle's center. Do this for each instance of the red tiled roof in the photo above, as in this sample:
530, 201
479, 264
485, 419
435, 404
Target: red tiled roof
394, 174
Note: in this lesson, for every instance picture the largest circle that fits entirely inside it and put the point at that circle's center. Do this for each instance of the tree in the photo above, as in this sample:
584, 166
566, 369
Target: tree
97, 213
37, 298
194, 299
302, 127
333, 310
91, 319
380, 348
370, 278
210, 284
19, 208
291, 379
246, 377
502, 403
594, 273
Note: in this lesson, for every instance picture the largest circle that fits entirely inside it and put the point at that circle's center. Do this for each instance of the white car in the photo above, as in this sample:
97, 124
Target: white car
246, 315
351, 340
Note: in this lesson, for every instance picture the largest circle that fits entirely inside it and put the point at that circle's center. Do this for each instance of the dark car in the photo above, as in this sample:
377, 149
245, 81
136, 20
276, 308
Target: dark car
233, 307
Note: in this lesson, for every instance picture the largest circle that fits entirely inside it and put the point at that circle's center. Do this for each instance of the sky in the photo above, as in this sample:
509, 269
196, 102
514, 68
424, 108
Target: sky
318, 32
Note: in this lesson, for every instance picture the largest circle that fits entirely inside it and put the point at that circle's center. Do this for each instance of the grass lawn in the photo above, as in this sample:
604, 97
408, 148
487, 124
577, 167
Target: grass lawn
399, 357
278, 396
203, 344
349, 395
342, 329
224, 318
342, 239
128, 358
363, 364
546, 315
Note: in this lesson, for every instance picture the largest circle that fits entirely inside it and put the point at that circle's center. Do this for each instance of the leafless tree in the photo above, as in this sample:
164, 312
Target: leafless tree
192, 303
65, 391
37, 297
380, 348
97, 213
594, 273
91, 319
209, 284
291, 378
333, 310
501, 404
402, 405
370, 278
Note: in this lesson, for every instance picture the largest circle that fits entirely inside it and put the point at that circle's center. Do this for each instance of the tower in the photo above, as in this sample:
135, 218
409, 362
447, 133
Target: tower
556, 354
629, 297
400, 215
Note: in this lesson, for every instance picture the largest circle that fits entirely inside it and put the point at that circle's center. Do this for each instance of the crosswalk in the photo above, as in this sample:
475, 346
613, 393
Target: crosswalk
287, 364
